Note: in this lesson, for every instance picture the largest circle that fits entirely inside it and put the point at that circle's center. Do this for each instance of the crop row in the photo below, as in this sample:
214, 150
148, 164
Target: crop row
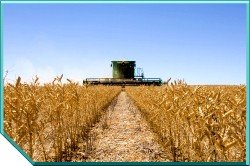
196, 123
49, 121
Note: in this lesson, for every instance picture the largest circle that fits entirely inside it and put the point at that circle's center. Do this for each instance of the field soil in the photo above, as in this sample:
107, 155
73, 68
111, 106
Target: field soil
123, 135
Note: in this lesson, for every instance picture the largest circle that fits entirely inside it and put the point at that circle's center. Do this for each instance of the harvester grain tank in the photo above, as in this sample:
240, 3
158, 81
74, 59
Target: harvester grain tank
123, 73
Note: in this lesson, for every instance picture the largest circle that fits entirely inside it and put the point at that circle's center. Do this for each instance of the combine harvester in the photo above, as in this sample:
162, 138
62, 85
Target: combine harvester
124, 74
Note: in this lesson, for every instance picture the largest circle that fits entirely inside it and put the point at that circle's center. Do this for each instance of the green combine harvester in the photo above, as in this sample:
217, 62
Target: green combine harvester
124, 74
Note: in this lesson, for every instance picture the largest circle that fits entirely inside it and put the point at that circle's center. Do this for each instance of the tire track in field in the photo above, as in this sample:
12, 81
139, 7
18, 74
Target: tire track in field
123, 135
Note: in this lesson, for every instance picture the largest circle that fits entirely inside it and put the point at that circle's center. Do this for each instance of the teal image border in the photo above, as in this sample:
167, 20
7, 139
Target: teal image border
119, 2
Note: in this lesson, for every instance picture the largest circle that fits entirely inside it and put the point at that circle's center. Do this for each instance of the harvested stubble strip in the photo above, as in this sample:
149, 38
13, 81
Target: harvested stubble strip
123, 135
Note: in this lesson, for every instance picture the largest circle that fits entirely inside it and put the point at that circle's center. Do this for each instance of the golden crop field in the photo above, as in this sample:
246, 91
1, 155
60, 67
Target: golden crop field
192, 123
49, 121
196, 123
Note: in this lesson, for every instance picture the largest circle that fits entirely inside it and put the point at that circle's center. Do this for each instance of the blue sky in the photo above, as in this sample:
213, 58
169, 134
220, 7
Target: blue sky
200, 43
